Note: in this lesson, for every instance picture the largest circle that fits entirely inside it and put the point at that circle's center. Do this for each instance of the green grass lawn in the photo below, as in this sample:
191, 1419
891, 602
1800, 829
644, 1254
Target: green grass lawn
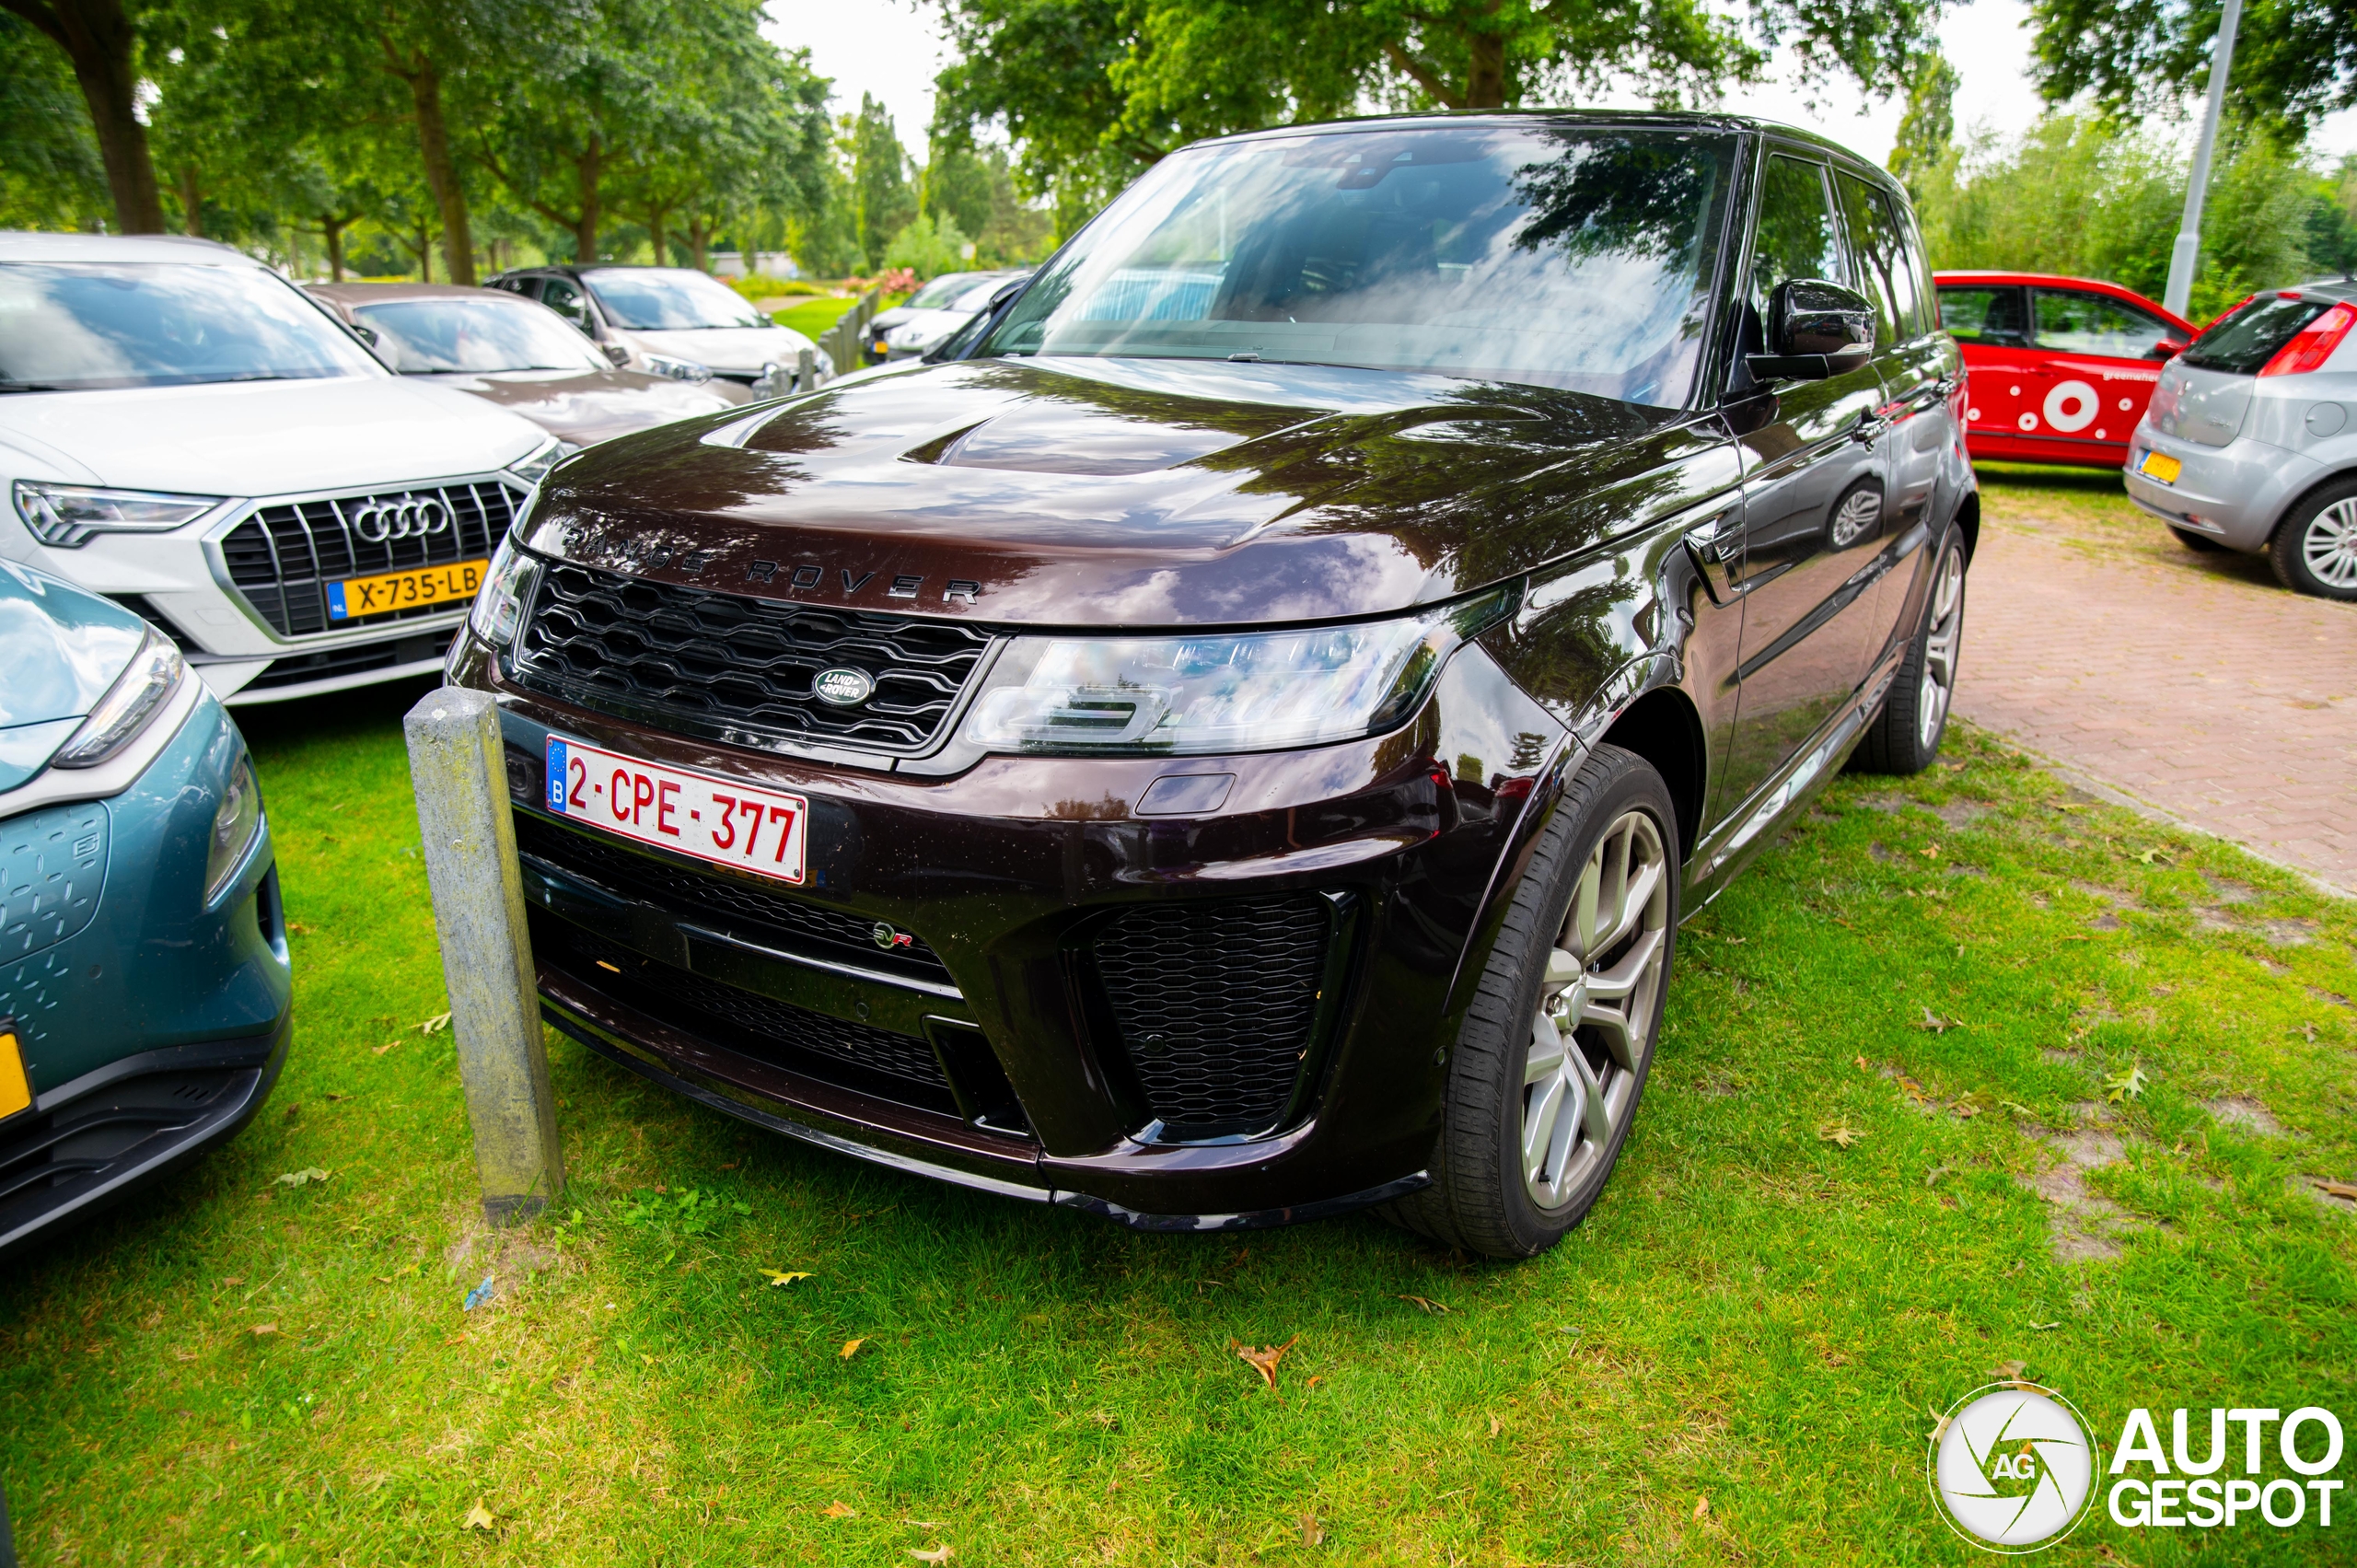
813, 316
1755, 1318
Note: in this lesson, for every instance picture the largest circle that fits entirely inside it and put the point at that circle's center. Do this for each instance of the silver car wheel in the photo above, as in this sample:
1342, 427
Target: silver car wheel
2328, 549
1594, 1028
1942, 640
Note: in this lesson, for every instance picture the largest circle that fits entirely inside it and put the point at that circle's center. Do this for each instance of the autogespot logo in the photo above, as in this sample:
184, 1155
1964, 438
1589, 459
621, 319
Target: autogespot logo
2012, 1467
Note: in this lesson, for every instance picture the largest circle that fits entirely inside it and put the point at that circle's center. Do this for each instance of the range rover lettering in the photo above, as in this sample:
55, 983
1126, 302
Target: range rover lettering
1229, 737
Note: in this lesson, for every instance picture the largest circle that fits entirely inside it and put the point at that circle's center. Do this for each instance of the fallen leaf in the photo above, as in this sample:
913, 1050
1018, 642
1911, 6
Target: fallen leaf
262, 1330
1862, 1064
1968, 1107
1264, 1361
851, 1348
1931, 852
939, 1554
925, 1524
1932, 1177
298, 1178
380, 1049
1311, 1535
384, 1279
1939, 1429
1914, 1090
778, 1277
1845, 1136
1428, 1304
1701, 1507
478, 1518
2041, 1327
1496, 1426
298, 928
434, 1025
2130, 1084
2009, 1372
2338, 1188
836, 1510
1938, 1025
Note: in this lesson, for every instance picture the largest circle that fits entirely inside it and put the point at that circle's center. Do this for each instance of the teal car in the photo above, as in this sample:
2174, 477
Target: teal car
145, 996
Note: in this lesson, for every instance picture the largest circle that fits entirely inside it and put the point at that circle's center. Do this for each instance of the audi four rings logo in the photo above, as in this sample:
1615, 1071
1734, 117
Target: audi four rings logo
411, 516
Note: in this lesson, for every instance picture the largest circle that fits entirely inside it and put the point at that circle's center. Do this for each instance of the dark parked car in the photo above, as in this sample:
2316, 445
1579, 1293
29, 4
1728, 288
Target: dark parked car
523, 356
145, 994
1231, 739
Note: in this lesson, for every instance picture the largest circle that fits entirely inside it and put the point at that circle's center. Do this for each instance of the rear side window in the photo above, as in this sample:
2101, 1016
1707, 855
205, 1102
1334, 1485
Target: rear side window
2073, 322
2248, 338
1984, 313
1880, 248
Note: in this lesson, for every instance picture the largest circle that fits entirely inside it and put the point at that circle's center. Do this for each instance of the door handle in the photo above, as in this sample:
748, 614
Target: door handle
1868, 429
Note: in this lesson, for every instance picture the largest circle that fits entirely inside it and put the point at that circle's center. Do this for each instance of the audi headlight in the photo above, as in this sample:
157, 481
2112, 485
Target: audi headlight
686, 370
155, 672
236, 823
534, 468
506, 590
1218, 692
70, 515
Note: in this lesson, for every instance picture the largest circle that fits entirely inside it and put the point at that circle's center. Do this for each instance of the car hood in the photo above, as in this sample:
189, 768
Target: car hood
1092, 491
271, 437
588, 406
740, 351
62, 647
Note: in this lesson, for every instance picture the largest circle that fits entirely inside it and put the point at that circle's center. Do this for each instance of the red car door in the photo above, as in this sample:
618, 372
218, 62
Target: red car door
1991, 322
2101, 358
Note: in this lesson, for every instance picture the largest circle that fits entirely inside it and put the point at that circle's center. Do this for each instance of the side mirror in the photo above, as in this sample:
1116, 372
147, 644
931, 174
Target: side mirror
2167, 348
617, 354
1816, 329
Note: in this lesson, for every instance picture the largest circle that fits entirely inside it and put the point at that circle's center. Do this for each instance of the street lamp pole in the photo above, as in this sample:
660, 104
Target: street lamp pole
2187, 249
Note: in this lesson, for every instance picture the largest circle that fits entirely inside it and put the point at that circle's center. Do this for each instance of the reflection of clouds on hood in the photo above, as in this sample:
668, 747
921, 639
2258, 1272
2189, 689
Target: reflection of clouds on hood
55, 670
1313, 579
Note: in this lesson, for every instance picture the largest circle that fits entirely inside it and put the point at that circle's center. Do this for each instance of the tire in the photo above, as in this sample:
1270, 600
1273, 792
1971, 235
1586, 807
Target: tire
2314, 550
2200, 544
1905, 736
1576, 1106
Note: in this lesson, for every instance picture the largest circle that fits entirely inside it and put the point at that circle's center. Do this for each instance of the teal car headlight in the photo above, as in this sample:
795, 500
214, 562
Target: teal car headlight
155, 672
1219, 691
236, 823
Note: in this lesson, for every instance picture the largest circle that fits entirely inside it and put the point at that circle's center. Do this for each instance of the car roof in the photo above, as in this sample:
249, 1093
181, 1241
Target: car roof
17, 245
371, 293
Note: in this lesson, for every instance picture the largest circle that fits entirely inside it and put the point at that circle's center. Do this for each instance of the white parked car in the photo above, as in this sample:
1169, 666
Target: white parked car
675, 322
926, 318
192, 435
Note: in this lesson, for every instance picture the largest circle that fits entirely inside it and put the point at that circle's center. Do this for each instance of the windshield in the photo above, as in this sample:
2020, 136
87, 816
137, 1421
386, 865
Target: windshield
2247, 338
78, 326
977, 296
1565, 256
669, 300
936, 295
424, 336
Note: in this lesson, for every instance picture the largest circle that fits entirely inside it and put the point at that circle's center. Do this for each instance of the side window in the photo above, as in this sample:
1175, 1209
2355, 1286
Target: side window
1881, 254
1984, 313
2093, 323
563, 296
1927, 303
526, 286
1795, 236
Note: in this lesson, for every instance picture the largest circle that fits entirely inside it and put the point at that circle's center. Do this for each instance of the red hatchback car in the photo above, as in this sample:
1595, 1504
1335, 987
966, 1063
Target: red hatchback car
2060, 368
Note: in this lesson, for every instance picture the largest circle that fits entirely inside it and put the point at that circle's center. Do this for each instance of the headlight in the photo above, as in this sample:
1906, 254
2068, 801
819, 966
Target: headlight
68, 515
1253, 691
506, 588
154, 674
534, 468
686, 370
236, 823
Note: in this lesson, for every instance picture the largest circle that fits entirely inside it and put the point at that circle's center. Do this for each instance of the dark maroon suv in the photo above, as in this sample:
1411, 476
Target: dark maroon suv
1229, 737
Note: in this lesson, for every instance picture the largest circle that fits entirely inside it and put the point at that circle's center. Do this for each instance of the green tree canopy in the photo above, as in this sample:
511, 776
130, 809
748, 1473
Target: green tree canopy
2295, 60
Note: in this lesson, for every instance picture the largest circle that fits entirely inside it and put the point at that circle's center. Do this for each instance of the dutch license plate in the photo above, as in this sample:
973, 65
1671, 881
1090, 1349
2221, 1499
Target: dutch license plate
2160, 465
15, 1088
355, 597
712, 818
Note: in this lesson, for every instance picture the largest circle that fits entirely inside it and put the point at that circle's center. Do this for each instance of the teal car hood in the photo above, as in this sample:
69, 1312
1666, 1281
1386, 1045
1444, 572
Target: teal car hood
59, 650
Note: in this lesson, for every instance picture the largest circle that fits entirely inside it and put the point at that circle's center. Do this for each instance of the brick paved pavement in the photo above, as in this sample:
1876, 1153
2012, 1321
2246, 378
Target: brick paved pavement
2188, 682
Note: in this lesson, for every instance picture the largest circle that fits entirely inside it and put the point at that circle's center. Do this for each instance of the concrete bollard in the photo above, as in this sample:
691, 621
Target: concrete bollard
806, 369
458, 765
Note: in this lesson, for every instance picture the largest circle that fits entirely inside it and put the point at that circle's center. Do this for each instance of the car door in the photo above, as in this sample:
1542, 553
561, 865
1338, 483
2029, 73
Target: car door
2103, 358
1921, 370
1813, 492
1991, 322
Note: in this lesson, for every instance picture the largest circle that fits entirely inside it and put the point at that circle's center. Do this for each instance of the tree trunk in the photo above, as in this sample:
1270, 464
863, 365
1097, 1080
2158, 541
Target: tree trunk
332, 230
655, 227
700, 242
441, 169
587, 168
192, 196
1485, 73
425, 253
99, 40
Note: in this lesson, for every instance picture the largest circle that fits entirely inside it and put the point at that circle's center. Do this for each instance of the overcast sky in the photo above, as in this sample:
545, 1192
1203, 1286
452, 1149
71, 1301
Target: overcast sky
892, 49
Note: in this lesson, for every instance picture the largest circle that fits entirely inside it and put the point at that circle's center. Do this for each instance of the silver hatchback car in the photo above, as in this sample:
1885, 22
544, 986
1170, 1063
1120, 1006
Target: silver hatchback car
2250, 442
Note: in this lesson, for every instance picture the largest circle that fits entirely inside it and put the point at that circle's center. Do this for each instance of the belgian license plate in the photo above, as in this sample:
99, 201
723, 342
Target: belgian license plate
688, 813
2160, 465
352, 597
15, 1088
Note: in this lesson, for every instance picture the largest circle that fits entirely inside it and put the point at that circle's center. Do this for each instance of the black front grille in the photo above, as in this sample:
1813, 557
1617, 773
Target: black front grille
644, 649
692, 893
857, 1055
282, 558
1215, 1004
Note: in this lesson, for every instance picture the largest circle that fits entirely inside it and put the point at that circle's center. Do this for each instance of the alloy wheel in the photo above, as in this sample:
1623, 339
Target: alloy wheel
1942, 640
2329, 548
1594, 1029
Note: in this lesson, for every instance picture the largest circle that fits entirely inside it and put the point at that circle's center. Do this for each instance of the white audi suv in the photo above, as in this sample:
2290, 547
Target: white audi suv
187, 433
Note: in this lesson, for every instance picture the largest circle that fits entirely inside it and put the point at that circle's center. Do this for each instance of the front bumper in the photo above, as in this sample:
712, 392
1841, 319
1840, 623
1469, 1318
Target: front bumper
2233, 494
1016, 1042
